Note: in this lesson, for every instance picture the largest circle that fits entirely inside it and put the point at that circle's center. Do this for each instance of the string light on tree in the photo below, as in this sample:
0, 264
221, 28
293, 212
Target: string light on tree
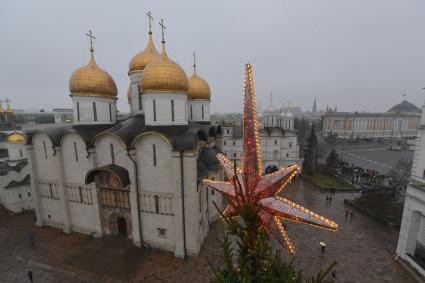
247, 185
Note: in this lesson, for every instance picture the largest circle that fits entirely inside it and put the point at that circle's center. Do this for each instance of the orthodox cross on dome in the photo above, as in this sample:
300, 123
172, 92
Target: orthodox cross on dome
194, 61
91, 37
161, 23
150, 19
248, 186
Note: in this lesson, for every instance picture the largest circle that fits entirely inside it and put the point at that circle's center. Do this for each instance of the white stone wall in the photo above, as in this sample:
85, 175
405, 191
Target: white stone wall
85, 106
163, 108
76, 163
194, 110
156, 180
47, 169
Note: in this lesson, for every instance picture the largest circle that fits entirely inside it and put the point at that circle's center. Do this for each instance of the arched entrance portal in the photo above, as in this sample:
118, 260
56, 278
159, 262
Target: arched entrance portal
122, 226
113, 193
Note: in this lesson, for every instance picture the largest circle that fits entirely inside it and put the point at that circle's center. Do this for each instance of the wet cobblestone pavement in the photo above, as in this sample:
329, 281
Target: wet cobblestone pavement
363, 248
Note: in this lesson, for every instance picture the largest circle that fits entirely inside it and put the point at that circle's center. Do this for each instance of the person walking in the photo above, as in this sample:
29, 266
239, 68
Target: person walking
29, 273
323, 248
333, 275
351, 216
32, 239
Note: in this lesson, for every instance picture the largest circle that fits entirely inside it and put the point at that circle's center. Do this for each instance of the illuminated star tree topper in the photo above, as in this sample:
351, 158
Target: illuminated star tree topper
247, 185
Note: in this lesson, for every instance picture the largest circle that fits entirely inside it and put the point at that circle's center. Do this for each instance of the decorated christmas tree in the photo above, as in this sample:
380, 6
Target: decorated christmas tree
255, 211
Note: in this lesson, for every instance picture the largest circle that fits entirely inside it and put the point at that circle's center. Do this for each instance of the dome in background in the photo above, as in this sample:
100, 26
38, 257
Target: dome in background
405, 106
129, 94
15, 138
142, 59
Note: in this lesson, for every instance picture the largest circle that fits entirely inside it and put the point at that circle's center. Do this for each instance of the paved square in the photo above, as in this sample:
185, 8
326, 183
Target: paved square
363, 248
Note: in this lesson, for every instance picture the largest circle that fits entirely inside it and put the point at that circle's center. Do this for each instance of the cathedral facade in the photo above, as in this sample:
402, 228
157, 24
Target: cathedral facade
140, 177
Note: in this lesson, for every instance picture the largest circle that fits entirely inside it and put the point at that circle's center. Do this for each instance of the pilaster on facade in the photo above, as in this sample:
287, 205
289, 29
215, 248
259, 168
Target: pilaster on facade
63, 196
34, 190
135, 209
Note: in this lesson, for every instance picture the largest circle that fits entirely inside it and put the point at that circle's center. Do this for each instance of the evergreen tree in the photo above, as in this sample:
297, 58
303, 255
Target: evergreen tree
301, 125
311, 154
332, 159
251, 259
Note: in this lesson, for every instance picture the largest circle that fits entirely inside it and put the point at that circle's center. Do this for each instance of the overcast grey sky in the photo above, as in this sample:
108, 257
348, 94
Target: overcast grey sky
358, 54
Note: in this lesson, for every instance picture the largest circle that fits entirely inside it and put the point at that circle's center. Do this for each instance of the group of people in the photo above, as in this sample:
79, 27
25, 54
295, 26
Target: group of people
350, 214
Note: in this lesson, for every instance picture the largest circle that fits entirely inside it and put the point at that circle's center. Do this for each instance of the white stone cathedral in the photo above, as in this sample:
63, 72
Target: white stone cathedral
141, 177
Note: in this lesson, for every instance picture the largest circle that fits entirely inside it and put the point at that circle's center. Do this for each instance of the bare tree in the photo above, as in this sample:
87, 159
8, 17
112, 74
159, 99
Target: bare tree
400, 175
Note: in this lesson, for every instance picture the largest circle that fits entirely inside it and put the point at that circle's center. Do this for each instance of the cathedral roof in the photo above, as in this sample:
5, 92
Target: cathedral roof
207, 161
14, 184
6, 168
181, 136
86, 132
405, 106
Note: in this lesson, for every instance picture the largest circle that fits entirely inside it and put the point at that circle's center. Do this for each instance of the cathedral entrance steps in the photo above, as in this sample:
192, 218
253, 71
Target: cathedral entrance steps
115, 257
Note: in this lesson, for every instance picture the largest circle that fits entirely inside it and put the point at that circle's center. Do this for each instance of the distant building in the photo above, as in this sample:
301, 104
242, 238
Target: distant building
63, 115
234, 119
313, 116
411, 243
279, 142
400, 121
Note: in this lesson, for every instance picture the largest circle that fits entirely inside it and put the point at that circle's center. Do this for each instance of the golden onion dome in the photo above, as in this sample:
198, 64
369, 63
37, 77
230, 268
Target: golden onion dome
15, 138
142, 59
129, 94
164, 75
90, 80
198, 87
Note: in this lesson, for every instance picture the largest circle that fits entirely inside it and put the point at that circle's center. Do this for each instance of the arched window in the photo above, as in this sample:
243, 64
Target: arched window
156, 204
154, 109
202, 111
110, 112
172, 110
78, 111
45, 149
75, 151
154, 154
112, 153
94, 111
